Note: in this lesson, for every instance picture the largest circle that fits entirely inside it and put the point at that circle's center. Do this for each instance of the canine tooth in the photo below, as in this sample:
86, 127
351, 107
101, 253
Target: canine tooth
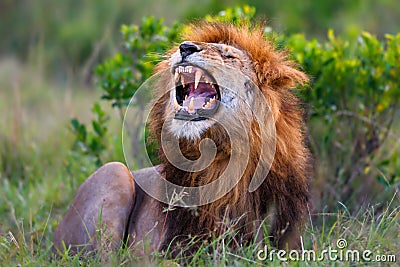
186, 96
197, 78
212, 100
176, 76
183, 81
191, 104
176, 105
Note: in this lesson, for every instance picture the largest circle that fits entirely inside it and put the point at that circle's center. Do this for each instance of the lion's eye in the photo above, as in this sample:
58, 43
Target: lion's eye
229, 56
228, 52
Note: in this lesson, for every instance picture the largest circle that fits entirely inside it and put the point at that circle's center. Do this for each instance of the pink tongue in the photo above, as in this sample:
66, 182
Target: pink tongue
198, 102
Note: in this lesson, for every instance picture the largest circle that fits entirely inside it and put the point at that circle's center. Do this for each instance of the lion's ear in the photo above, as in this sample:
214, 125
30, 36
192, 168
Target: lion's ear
291, 77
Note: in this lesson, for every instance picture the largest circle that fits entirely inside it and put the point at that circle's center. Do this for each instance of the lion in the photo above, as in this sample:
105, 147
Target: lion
213, 57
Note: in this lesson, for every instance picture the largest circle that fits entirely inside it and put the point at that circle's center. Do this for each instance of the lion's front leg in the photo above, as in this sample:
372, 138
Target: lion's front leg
99, 213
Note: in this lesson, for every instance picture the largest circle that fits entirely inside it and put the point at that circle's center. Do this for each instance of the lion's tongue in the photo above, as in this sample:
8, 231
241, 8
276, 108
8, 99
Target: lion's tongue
198, 101
201, 95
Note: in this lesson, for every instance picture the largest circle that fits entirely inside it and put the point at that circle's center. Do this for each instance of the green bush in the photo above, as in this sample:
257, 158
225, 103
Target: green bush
351, 102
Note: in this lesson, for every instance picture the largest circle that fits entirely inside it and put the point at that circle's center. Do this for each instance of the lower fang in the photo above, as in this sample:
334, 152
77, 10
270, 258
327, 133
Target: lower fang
183, 81
176, 105
176, 78
191, 104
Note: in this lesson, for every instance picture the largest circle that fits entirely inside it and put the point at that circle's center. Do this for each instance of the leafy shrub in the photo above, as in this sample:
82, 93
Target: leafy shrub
351, 102
91, 143
120, 77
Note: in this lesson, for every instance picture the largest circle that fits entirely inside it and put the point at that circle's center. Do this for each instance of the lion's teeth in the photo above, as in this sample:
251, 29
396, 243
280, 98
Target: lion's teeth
191, 104
183, 81
212, 100
207, 105
188, 69
176, 76
176, 105
197, 78
186, 97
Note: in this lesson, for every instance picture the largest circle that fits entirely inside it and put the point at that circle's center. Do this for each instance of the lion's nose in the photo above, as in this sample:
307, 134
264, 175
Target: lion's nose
188, 48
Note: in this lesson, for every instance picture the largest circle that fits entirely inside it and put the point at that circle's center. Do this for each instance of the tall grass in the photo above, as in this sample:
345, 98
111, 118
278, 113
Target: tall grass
30, 244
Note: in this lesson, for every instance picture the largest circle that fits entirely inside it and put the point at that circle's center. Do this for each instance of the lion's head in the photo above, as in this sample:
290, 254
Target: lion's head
205, 76
218, 78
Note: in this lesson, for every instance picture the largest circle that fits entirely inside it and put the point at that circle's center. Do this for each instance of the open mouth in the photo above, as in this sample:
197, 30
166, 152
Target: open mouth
197, 94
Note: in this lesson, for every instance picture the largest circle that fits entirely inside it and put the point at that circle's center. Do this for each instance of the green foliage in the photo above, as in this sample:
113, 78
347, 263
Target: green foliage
122, 75
91, 143
353, 101
344, 73
236, 14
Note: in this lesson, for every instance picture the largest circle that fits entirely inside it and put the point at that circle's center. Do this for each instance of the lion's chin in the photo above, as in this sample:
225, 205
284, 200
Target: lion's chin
190, 130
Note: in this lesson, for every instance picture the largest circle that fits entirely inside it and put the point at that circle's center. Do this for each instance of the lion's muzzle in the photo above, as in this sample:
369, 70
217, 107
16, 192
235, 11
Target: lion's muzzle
197, 94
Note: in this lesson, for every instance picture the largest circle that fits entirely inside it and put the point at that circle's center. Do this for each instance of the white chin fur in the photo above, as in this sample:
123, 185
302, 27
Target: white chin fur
190, 130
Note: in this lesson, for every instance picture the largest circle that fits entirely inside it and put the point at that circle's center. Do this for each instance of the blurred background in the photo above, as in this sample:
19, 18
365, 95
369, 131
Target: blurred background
63, 40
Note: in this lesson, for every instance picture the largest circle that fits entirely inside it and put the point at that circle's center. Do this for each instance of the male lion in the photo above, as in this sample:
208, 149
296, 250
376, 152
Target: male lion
220, 77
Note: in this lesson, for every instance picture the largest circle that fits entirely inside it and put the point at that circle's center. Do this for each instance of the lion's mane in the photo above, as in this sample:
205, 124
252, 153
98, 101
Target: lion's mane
286, 186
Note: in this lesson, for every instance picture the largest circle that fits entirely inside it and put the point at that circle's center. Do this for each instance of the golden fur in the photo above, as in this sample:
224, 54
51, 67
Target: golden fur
286, 187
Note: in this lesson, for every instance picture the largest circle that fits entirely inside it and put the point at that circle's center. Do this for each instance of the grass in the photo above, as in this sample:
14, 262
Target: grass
39, 176
31, 245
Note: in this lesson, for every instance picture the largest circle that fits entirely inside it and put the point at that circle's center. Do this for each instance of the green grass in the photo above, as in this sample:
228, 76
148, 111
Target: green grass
30, 243
39, 176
